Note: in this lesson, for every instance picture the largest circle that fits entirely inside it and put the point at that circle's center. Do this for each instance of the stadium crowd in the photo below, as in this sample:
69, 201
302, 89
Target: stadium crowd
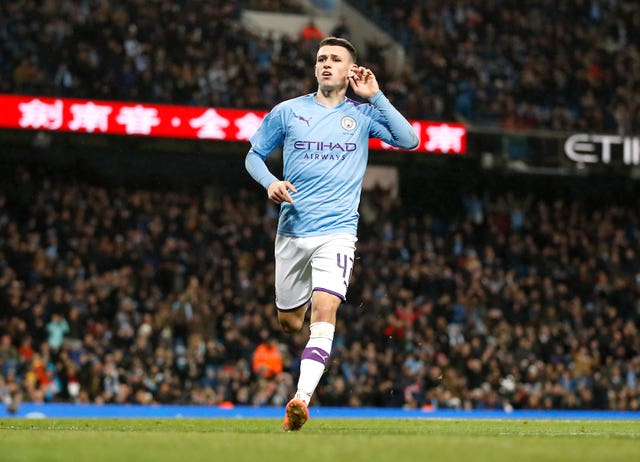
131, 295
507, 300
520, 64
534, 64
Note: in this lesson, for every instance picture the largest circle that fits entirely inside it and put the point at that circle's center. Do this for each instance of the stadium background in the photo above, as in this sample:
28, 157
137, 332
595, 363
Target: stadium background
506, 278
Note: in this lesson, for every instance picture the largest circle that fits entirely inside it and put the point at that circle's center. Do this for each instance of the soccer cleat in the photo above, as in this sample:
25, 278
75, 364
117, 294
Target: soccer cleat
296, 414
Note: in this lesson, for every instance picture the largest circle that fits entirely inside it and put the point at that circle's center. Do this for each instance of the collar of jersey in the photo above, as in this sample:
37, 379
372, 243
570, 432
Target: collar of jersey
313, 97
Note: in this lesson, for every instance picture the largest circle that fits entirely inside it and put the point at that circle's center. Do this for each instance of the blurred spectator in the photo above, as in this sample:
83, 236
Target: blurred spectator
267, 358
342, 29
311, 31
9, 358
57, 329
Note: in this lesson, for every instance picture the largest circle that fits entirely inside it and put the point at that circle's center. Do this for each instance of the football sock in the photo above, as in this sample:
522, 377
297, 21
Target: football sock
315, 358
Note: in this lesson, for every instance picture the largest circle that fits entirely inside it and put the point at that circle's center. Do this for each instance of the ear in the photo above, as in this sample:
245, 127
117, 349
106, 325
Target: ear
352, 70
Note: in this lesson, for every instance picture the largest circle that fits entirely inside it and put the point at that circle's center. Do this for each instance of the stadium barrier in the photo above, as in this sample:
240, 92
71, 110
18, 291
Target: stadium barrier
62, 410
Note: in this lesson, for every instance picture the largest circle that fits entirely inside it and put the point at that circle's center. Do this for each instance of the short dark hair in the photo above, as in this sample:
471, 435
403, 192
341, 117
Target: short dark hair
340, 42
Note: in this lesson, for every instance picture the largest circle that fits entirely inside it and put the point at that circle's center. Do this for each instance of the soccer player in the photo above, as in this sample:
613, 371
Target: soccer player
325, 138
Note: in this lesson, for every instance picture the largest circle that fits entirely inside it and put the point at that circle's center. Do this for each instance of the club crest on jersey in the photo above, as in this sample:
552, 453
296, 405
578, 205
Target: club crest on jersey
348, 123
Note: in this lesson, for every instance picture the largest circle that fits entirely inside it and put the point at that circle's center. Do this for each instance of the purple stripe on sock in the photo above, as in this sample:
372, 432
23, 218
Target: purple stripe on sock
321, 289
316, 354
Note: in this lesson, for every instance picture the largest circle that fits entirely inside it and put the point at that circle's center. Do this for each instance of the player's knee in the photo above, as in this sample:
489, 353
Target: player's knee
291, 325
291, 321
323, 312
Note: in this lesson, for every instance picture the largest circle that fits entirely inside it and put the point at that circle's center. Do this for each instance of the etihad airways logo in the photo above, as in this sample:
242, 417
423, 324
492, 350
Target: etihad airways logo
324, 146
324, 150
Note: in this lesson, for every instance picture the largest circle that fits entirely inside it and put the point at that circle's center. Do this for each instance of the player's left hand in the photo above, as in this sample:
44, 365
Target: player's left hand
363, 82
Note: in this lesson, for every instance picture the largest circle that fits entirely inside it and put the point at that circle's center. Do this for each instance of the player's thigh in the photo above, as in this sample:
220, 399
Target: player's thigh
332, 264
293, 283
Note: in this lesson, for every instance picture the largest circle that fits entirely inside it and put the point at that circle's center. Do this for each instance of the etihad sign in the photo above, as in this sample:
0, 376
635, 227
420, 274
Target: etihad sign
162, 120
603, 149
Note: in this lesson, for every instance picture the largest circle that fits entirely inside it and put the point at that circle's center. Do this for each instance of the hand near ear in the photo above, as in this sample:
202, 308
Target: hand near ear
363, 82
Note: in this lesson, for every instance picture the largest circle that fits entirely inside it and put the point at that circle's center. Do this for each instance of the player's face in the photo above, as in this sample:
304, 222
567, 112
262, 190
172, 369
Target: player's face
333, 66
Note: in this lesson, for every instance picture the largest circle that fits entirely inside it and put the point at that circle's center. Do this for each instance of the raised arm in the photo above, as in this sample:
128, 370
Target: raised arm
391, 127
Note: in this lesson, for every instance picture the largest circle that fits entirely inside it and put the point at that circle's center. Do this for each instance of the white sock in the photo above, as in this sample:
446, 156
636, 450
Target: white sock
315, 358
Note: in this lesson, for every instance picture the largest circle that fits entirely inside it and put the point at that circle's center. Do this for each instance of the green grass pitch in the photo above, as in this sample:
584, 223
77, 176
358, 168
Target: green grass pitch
327, 440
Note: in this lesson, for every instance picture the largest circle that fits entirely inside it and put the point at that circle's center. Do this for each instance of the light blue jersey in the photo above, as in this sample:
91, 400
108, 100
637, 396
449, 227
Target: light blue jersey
325, 154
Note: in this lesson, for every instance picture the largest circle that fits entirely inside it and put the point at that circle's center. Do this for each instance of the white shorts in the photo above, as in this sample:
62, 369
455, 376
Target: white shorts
305, 264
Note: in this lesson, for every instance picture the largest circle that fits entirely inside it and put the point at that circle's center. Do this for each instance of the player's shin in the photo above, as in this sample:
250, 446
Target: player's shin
315, 359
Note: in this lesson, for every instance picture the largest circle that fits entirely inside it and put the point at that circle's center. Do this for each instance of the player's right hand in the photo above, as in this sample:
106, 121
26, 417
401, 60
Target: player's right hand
279, 192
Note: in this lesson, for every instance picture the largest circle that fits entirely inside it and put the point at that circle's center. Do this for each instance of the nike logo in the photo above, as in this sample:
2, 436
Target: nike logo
324, 357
